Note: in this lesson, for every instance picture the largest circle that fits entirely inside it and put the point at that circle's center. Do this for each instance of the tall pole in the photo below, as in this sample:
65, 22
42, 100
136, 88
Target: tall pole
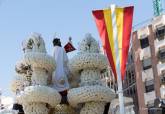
119, 80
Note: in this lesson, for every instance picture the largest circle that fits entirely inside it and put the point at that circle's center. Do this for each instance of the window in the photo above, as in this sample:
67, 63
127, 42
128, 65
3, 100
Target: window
144, 42
133, 75
149, 86
163, 79
108, 84
128, 92
161, 55
160, 33
134, 90
146, 63
131, 92
154, 110
129, 78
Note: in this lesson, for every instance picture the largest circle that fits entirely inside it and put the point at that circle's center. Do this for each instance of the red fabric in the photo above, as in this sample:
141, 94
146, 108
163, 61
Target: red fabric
100, 23
69, 47
127, 27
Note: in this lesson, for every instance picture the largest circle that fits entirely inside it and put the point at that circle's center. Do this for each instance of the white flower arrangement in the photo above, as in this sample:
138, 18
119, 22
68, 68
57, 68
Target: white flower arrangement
21, 67
34, 98
18, 83
39, 94
89, 44
41, 60
63, 108
90, 75
86, 61
90, 94
34, 43
24, 70
35, 108
93, 108
39, 77
74, 80
91, 83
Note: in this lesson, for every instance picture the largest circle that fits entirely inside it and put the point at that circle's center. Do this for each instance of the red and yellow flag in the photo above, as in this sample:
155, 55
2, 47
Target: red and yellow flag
105, 24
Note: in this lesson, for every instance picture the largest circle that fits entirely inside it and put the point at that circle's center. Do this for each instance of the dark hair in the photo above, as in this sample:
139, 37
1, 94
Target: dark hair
56, 42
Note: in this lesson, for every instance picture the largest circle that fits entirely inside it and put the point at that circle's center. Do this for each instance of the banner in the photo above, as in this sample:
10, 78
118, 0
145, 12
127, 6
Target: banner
105, 24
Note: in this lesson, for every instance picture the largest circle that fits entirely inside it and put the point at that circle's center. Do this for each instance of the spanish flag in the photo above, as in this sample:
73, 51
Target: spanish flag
116, 48
69, 47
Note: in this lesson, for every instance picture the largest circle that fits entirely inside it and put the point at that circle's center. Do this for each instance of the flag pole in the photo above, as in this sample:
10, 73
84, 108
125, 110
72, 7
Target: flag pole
119, 80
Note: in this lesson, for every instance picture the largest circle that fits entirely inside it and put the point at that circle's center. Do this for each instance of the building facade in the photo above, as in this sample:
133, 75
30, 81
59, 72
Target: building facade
129, 83
146, 72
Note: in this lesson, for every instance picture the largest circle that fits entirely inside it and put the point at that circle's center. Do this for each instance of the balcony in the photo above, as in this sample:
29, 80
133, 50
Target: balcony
162, 79
146, 63
162, 87
149, 86
149, 97
159, 44
161, 55
162, 91
147, 75
158, 21
160, 68
160, 33
145, 53
160, 38
143, 32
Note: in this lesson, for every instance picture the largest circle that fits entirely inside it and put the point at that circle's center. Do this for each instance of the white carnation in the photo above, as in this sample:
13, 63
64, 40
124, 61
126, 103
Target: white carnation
90, 93
18, 83
87, 60
35, 108
89, 44
39, 94
41, 60
93, 108
88, 63
90, 77
34, 43
34, 98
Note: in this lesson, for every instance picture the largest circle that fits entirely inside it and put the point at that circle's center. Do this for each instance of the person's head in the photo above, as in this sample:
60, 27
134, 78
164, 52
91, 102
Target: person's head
56, 42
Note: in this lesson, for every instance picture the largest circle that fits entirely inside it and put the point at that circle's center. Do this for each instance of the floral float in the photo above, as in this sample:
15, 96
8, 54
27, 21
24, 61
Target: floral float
35, 67
88, 63
64, 109
22, 78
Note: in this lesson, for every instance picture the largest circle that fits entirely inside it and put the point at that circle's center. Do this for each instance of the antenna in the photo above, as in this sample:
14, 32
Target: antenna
157, 5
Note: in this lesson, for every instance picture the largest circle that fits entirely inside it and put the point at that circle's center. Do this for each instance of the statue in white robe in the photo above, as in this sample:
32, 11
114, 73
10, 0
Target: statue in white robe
59, 78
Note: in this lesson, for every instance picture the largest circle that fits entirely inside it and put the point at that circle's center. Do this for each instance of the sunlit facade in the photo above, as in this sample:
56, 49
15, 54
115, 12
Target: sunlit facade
148, 52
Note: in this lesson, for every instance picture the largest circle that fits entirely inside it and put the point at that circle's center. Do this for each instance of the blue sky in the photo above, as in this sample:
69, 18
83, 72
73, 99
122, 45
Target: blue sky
18, 18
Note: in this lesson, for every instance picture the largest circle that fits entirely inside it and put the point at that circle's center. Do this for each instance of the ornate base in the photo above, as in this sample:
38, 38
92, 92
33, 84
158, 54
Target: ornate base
35, 108
64, 109
93, 108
